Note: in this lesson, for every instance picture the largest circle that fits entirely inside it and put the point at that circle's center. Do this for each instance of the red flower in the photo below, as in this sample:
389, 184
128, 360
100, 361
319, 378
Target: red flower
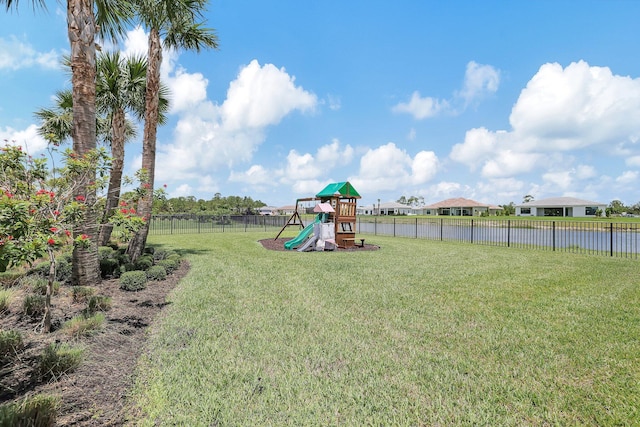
84, 237
9, 195
56, 213
124, 211
53, 229
123, 203
132, 211
51, 242
80, 198
67, 232
165, 185
146, 185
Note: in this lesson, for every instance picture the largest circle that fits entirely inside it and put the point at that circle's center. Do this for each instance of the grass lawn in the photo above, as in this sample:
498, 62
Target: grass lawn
416, 333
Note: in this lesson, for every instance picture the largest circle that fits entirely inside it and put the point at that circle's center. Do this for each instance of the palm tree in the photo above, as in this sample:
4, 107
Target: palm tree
121, 86
82, 16
176, 22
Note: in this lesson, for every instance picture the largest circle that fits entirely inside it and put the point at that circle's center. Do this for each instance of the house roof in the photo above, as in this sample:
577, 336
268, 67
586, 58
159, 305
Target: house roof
458, 202
393, 205
339, 188
561, 202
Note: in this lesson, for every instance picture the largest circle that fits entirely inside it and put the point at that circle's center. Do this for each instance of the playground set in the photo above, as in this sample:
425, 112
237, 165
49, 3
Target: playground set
334, 224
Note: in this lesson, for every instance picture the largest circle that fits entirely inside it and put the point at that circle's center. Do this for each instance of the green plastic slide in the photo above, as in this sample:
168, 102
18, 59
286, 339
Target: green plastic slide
300, 238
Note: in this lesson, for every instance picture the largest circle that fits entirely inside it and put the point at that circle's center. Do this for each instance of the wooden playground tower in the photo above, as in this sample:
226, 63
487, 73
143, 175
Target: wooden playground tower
343, 199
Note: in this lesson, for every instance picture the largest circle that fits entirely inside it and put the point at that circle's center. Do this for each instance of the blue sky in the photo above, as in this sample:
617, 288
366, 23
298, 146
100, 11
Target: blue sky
488, 100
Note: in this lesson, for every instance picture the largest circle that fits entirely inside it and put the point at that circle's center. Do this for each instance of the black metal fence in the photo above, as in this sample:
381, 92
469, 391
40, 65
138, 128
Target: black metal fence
616, 239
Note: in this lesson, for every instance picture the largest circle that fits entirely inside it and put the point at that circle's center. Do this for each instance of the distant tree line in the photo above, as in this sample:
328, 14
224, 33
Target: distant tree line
218, 205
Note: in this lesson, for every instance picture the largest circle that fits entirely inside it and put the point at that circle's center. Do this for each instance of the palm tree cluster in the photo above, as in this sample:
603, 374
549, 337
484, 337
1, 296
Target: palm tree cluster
107, 87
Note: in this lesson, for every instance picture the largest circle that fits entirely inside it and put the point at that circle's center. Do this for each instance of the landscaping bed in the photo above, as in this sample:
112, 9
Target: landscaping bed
94, 394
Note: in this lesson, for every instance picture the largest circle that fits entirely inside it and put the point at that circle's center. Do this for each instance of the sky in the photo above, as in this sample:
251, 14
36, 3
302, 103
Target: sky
486, 100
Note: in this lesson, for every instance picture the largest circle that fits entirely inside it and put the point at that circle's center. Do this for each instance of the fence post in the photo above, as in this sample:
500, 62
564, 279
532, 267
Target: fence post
171, 229
508, 233
472, 231
198, 219
375, 226
416, 228
441, 226
553, 234
611, 239
394, 227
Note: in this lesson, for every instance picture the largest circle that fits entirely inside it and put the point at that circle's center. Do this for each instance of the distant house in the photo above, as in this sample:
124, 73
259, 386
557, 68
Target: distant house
268, 210
560, 206
286, 210
458, 207
387, 208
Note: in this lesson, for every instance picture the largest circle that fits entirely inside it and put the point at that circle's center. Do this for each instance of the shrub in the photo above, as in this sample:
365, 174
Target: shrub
6, 295
57, 360
82, 326
159, 254
109, 267
133, 280
106, 252
10, 279
63, 269
169, 265
99, 303
34, 411
33, 305
38, 285
157, 272
10, 344
82, 293
144, 262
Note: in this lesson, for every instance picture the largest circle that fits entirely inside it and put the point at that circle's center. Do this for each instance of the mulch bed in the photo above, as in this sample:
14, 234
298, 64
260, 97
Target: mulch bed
278, 245
94, 394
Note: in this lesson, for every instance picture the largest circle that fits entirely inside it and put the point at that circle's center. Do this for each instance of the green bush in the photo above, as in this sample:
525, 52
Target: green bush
63, 269
82, 293
33, 305
99, 303
58, 359
144, 262
159, 254
38, 285
83, 326
169, 265
10, 279
133, 280
6, 295
33, 411
10, 344
109, 267
106, 252
157, 272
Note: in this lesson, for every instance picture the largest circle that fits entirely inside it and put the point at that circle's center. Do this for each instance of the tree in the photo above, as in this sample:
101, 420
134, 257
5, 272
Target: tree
176, 22
528, 198
509, 209
36, 212
110, 17
617, 207
121, 83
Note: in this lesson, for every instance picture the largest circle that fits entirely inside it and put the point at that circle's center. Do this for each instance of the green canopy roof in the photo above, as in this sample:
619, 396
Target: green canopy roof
339, 188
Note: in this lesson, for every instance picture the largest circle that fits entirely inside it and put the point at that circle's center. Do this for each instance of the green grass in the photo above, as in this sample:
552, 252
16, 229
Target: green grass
417, 333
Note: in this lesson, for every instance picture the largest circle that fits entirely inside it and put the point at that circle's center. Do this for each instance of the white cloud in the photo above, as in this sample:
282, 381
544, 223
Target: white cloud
421, 108
479, 80
262, 96
255, 175
576, 107
628, 177
389, 168
187, 90
306, 166
16, 54
560, 113
208, 136
633, 161
28, 139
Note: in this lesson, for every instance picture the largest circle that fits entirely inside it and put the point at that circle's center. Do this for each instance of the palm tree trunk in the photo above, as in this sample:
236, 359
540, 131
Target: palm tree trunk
145, 205
81, 31
115, 178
